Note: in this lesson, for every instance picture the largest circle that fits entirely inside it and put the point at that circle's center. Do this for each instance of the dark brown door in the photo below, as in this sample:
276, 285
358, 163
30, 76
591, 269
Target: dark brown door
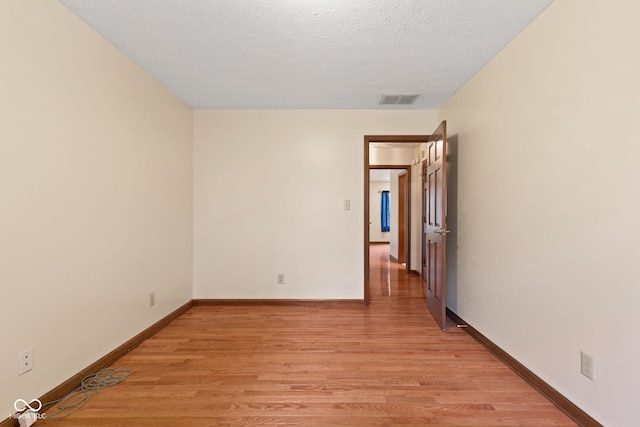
434, 237
402, 218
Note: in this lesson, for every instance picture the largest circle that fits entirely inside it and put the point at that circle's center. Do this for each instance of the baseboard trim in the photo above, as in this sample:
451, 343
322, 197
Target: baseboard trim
564, 404
279, 302
414, 273
9, 422
74, 382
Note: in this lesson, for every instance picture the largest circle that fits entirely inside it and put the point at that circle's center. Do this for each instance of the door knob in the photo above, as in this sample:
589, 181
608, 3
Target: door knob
442, 231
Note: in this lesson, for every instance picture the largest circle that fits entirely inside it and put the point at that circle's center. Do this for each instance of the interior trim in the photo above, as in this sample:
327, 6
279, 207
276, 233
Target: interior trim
564, 404
279, 302
9, 422
107, 360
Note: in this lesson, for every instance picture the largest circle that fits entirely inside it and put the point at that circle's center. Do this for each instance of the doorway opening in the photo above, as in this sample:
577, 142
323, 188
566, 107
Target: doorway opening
431, 153
392, 159
389, 208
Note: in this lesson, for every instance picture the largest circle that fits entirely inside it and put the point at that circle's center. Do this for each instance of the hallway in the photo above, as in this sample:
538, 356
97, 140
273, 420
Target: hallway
389, 279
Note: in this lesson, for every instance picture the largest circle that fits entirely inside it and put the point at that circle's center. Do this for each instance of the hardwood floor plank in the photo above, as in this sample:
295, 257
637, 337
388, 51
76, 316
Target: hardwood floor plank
386, 364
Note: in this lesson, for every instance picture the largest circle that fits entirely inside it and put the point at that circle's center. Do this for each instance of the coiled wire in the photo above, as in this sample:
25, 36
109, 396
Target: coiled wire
89, 386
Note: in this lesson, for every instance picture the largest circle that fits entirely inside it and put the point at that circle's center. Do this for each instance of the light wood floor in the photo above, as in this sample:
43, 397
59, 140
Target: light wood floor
383, 365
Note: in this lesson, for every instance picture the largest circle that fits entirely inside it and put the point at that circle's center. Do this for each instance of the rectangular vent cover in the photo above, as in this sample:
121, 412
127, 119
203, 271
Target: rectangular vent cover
398, 99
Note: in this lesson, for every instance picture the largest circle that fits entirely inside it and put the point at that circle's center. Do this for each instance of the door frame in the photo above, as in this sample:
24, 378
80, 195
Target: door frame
393, 139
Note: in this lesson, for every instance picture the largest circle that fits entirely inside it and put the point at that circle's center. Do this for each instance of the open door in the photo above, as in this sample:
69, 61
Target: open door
403, 241
434, 230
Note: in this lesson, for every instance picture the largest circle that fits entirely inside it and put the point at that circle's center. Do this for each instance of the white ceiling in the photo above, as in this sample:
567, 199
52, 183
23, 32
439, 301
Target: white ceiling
380, 175
308, 54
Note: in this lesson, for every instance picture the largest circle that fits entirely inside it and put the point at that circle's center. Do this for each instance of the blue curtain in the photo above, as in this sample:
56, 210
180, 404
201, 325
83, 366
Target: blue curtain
385, 211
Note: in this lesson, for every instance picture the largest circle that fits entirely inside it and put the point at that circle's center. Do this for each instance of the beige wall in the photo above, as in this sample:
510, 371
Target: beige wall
549, 202
401, 155
268, 192
95, 197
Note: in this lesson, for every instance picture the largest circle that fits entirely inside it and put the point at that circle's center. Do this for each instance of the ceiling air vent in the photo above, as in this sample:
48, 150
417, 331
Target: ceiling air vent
398, 99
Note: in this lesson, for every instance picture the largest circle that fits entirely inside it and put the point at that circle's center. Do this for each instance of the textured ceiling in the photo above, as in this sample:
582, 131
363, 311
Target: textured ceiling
303, 54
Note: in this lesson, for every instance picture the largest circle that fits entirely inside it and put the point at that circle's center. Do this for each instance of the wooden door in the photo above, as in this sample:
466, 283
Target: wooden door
434, 237
402, 218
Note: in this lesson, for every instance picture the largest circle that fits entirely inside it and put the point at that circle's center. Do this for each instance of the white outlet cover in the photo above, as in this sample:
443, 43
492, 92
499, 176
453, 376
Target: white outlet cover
587, 367
25, 361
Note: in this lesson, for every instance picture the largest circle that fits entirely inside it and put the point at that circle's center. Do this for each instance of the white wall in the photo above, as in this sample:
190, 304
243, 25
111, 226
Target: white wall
268, 192
549, 202
375, 233
401, 155
95, 197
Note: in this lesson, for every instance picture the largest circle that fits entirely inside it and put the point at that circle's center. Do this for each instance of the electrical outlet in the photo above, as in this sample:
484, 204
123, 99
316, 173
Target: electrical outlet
152, 299
25, 361
586, 366
280, 278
